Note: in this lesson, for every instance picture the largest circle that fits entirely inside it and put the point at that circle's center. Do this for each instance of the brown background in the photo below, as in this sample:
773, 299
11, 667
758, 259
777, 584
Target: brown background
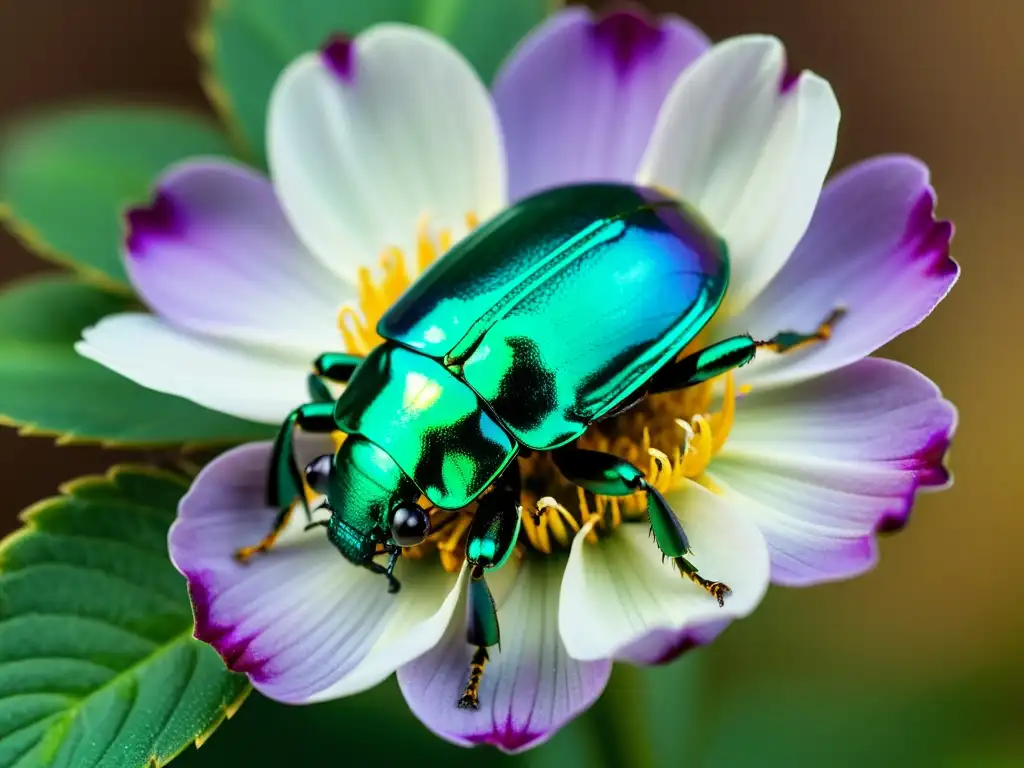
943, 79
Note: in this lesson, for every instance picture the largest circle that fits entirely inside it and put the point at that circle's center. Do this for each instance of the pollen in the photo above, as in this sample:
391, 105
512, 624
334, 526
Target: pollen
673, 437
396, 272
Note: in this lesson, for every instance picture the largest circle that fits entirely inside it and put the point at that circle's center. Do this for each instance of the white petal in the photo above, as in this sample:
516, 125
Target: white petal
413, 628
359, 156
248, 383
618, 591
748, 153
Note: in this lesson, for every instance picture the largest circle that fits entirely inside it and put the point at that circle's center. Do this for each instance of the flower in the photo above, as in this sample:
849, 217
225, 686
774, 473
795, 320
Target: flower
388, 147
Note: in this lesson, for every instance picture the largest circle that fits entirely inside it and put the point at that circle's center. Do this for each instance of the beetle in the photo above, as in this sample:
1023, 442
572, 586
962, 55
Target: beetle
485, 355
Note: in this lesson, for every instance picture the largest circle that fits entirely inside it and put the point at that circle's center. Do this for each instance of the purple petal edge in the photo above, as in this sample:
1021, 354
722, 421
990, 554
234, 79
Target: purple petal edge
789, 80
338, 55
233, 649
161, 219
930, 470
506, 738
663, 646
928, 238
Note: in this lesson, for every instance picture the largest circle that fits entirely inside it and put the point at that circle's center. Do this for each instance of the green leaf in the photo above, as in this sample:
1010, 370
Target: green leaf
246, 44
98, 667
47, 387
65, 180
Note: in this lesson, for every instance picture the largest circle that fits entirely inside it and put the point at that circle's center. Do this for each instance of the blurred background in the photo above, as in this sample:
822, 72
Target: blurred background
921, 661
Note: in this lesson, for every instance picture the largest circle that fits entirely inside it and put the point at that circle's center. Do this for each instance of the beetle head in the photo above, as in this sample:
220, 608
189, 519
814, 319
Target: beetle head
371, 500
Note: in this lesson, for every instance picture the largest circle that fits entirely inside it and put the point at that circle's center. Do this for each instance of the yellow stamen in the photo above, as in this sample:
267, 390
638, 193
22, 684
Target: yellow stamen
559, 520
376, 293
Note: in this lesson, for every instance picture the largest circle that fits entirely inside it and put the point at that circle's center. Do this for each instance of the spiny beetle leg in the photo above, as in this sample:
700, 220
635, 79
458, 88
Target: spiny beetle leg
482, 632
491, 541
598, 472
717, 589
787, 341
736, 351
608, 475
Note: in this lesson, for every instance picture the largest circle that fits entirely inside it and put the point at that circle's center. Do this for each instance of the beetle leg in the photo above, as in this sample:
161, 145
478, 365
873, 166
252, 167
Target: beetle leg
285, 483
495, 527
336, 367
608, 475
280, 523
491, 541
787, 341
731, 353
393, 584
285, 476
482, 632
704, 364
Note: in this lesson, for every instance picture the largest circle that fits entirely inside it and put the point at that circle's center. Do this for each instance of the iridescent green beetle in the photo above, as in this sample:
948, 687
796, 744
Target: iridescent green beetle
484, 356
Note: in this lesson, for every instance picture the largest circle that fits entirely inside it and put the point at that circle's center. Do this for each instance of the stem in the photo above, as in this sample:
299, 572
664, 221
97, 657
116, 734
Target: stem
648, 714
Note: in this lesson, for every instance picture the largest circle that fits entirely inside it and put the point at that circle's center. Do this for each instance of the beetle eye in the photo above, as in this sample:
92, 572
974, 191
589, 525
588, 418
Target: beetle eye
409, 526
318, 472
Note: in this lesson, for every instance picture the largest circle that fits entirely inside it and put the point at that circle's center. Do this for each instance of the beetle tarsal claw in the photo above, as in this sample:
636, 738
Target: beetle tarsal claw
245, 554
716, 589
470, 698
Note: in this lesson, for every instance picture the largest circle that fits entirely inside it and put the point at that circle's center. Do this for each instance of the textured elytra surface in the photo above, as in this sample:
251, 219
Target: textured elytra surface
98, 666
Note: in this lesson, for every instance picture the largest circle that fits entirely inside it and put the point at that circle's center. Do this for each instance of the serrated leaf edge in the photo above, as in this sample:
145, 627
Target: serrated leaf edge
71, 439
32, 241
69, 489
201, 40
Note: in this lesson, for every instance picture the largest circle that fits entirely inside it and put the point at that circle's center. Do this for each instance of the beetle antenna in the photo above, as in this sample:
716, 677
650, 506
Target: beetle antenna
315, 524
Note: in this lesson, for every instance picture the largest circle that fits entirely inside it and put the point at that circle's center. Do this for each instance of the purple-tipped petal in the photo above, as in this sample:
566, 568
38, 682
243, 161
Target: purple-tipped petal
663, 646
368, 142
338, 54
530, 687
620, 599
579, 97
214, 254
302, 622
875, 248
824, 465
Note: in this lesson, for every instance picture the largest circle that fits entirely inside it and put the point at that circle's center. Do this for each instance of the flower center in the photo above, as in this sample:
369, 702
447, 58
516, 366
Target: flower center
671, 436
